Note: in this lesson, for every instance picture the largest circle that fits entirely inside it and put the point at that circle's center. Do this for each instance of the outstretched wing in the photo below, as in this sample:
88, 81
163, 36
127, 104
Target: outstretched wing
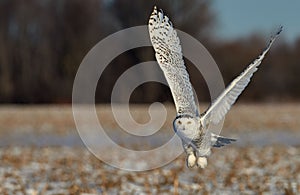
222, 104
169, 57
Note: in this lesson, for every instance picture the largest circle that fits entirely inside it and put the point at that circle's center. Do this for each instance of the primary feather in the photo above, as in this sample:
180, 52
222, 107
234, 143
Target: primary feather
226, 99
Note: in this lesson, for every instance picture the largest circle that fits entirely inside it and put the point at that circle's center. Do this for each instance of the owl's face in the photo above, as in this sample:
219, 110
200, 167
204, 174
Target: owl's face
186, 126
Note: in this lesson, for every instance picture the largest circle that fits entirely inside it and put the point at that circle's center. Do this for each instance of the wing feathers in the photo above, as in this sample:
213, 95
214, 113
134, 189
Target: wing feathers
219, 141
169, 57
222, 104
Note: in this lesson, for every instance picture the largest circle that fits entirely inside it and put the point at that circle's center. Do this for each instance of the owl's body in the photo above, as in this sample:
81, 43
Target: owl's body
196, 139
191, 127
190, 130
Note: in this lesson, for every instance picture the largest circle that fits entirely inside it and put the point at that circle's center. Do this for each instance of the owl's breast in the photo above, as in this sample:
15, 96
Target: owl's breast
187, 134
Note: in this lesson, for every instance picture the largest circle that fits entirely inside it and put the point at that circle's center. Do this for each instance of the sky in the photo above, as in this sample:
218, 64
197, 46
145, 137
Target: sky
239, 18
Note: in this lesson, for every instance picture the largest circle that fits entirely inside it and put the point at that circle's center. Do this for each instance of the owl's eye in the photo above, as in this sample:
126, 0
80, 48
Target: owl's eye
179, 122
189, 122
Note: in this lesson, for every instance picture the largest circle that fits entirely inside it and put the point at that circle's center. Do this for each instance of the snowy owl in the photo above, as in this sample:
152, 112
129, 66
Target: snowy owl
191, 127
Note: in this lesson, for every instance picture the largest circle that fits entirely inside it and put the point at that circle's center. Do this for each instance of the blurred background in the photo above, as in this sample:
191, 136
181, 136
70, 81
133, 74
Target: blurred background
42, 43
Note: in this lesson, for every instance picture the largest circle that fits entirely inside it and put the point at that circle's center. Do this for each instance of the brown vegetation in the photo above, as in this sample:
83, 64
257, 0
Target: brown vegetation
59, 119
64, 170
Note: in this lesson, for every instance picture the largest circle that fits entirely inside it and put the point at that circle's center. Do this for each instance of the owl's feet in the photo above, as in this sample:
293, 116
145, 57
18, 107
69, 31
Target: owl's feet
191, 160
202, 162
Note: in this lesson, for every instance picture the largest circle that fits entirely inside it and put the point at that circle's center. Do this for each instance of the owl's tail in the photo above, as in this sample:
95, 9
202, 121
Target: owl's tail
219, 141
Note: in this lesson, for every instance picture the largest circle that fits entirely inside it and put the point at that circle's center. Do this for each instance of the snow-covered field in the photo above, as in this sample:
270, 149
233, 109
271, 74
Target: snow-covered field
41, 153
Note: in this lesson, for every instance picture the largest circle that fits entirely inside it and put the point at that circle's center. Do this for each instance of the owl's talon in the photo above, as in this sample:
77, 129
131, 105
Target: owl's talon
202, 162
191, 160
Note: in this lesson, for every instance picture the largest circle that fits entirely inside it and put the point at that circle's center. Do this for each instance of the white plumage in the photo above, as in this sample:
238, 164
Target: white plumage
222, 104
188, 124
169, 56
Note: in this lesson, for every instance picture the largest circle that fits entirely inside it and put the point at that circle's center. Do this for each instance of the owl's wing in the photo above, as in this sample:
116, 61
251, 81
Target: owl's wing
222, 104
169, 57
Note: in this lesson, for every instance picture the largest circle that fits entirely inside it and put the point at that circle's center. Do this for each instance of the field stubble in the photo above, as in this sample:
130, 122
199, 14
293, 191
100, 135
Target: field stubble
68, 168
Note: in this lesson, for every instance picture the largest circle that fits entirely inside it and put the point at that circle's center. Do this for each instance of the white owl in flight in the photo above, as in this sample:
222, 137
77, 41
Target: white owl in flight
191, 127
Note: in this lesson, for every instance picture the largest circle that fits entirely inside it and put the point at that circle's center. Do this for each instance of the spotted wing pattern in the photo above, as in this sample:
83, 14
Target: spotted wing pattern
168, 54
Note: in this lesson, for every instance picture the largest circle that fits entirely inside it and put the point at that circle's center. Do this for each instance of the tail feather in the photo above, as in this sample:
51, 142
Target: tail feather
219, 141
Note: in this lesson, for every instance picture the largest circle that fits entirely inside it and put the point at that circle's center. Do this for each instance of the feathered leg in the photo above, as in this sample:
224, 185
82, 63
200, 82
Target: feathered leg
191, 155
202, 154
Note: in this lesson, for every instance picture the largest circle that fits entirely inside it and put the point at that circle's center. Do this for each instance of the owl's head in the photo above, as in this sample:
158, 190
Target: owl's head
186, 125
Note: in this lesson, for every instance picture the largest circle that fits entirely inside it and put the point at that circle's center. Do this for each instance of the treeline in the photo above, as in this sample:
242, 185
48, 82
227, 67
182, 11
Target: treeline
42, 43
